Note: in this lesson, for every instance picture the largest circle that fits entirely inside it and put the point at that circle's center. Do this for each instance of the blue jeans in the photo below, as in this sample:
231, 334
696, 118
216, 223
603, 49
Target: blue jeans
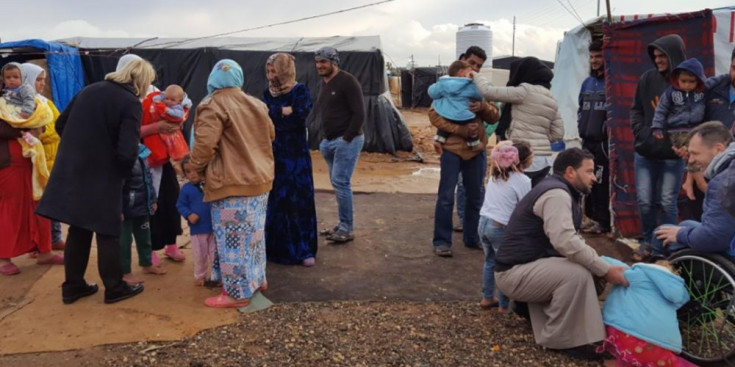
473, 171
657, 185
657, 246
55, 232
460, 199
491, 235
341, 157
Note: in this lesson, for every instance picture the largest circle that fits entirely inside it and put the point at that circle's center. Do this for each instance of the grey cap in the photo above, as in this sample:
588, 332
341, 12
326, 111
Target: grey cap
327, 53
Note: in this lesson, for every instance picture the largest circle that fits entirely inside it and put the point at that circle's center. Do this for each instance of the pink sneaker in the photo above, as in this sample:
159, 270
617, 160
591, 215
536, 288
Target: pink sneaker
172, 252
155, 260
308, 262
9, 269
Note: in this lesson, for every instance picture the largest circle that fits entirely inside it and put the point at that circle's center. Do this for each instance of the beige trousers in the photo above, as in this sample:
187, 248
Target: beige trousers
561, 299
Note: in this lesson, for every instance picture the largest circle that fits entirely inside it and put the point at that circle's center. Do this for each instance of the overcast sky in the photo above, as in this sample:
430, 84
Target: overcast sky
423, 28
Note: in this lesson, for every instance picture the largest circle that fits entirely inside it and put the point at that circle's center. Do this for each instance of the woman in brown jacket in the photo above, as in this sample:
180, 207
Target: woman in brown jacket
232, 150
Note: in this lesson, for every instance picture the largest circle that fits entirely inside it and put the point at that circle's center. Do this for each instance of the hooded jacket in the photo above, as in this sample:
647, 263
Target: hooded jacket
647, 308
718, 226
647, 94
451, 97
717, 100
138, 193
680, 110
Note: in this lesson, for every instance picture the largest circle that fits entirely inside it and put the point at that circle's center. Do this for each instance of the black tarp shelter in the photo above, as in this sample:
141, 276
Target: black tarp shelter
187, 62
415, 85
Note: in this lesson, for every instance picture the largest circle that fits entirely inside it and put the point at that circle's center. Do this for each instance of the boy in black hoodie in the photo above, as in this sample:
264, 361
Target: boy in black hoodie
658, 169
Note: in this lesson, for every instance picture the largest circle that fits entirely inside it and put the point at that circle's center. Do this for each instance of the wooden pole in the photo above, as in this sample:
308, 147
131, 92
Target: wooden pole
609, 13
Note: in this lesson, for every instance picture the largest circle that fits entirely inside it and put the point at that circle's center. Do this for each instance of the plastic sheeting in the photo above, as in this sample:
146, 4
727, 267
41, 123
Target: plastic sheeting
384, 128
64, 65
415, 84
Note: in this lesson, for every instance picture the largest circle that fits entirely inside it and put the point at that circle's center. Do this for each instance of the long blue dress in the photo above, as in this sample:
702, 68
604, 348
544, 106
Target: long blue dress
290, 225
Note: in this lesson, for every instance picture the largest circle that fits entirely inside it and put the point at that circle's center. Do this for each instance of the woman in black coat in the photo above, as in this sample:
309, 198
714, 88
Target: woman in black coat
100, 131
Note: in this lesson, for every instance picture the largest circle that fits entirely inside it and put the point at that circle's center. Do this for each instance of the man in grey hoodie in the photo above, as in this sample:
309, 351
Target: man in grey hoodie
658, 169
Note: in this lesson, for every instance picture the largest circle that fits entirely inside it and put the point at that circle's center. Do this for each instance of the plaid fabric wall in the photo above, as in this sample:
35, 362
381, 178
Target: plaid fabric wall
626, 58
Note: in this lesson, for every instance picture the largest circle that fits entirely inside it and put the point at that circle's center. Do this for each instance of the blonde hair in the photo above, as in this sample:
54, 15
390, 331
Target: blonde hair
137, 73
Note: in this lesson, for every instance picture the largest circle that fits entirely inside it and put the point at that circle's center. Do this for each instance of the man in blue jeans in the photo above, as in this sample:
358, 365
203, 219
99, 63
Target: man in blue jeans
658, 169
711, 146
341, 108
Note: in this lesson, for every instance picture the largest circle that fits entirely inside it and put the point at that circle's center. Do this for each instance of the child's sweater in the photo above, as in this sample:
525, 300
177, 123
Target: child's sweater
23, 97
191, 200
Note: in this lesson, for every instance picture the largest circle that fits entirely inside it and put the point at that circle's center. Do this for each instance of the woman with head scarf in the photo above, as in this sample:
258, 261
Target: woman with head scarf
290, 224
99, 132
233, 152
530, 112
35, 76
21, 230
165, 223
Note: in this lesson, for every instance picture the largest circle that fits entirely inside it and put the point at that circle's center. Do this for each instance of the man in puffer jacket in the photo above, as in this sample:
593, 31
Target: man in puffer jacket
658, 170
710, 145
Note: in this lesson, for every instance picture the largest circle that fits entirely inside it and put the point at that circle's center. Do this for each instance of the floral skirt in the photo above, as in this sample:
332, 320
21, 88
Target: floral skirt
631, 351
239, 232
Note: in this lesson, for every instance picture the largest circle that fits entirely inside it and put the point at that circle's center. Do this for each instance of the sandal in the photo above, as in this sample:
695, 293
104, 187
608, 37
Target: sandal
52, 260
224, 301
329, 231
9, 269
489, 303
443, 251
340, 237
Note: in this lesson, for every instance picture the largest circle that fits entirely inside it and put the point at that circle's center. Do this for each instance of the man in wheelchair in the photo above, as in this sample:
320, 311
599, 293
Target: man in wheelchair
711, 146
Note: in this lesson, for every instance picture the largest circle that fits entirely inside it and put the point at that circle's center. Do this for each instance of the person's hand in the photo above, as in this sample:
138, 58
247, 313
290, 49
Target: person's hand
615, 275
473, 128
688, 187
193, 218
286, 110
472, 74
658, 134
36, 132
667, 234
122, 217
438, 147
165, 127
682, 152
155, 207
475, 106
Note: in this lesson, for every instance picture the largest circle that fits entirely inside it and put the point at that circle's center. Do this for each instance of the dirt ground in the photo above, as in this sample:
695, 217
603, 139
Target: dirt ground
383, 299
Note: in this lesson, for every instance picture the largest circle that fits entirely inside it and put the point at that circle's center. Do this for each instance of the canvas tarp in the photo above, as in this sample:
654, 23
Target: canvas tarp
188, 63
64, 65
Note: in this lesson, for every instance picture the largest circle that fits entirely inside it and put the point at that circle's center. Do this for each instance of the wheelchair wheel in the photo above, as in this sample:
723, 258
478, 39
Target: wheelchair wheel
707, 321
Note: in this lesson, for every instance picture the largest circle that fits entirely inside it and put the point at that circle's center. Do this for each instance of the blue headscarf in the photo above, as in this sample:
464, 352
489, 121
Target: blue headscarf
225, 74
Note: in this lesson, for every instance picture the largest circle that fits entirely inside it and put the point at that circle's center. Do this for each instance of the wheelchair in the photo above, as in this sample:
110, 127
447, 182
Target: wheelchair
707, 321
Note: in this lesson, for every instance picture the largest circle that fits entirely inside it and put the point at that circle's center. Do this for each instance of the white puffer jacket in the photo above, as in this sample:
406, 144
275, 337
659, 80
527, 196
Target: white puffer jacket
535, 114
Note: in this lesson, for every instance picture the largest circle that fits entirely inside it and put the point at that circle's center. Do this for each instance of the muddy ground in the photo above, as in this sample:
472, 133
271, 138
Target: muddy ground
382, 300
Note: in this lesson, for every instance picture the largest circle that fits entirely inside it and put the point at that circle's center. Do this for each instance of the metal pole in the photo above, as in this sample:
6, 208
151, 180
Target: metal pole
609, 13
598, 8
513, 50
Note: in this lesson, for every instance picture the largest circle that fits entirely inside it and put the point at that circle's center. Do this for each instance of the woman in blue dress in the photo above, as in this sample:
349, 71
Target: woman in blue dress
290, 224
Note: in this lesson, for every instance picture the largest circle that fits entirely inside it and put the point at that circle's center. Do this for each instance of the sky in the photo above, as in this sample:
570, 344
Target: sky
423, 29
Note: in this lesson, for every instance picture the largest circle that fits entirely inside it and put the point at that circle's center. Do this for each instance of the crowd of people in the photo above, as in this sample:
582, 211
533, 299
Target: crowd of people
105, 167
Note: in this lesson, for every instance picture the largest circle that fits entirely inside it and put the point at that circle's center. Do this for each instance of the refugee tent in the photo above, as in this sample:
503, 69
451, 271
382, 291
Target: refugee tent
63, 63
415, 84
626, 59
187, 62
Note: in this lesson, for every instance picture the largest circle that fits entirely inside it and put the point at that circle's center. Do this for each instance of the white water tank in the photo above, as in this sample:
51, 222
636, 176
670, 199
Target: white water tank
475, 34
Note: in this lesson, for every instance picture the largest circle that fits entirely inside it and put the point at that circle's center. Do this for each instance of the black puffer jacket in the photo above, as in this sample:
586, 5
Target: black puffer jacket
138, 193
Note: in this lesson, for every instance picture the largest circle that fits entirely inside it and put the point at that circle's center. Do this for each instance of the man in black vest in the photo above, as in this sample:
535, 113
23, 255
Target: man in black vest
545, 262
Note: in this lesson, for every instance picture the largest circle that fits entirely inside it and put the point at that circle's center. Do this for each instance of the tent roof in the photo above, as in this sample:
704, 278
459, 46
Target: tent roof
284, 44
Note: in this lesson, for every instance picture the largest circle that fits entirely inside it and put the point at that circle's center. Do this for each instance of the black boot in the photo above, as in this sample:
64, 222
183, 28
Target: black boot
122, 292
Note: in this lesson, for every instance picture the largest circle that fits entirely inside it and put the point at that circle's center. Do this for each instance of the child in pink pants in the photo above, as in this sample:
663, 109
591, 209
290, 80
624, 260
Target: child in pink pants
191, 206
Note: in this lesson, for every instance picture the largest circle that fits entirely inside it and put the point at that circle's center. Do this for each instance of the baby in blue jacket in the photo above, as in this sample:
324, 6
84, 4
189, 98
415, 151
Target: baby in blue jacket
452, 95
640, 320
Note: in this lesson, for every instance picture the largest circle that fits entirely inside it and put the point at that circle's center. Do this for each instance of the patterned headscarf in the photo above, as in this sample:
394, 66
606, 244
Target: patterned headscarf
29, 73
226, 73
285, 77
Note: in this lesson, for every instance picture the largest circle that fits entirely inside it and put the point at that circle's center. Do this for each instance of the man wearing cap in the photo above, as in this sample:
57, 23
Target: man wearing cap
341, 108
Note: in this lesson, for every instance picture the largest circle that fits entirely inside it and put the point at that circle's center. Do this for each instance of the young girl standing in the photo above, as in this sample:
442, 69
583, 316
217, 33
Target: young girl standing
505, 188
